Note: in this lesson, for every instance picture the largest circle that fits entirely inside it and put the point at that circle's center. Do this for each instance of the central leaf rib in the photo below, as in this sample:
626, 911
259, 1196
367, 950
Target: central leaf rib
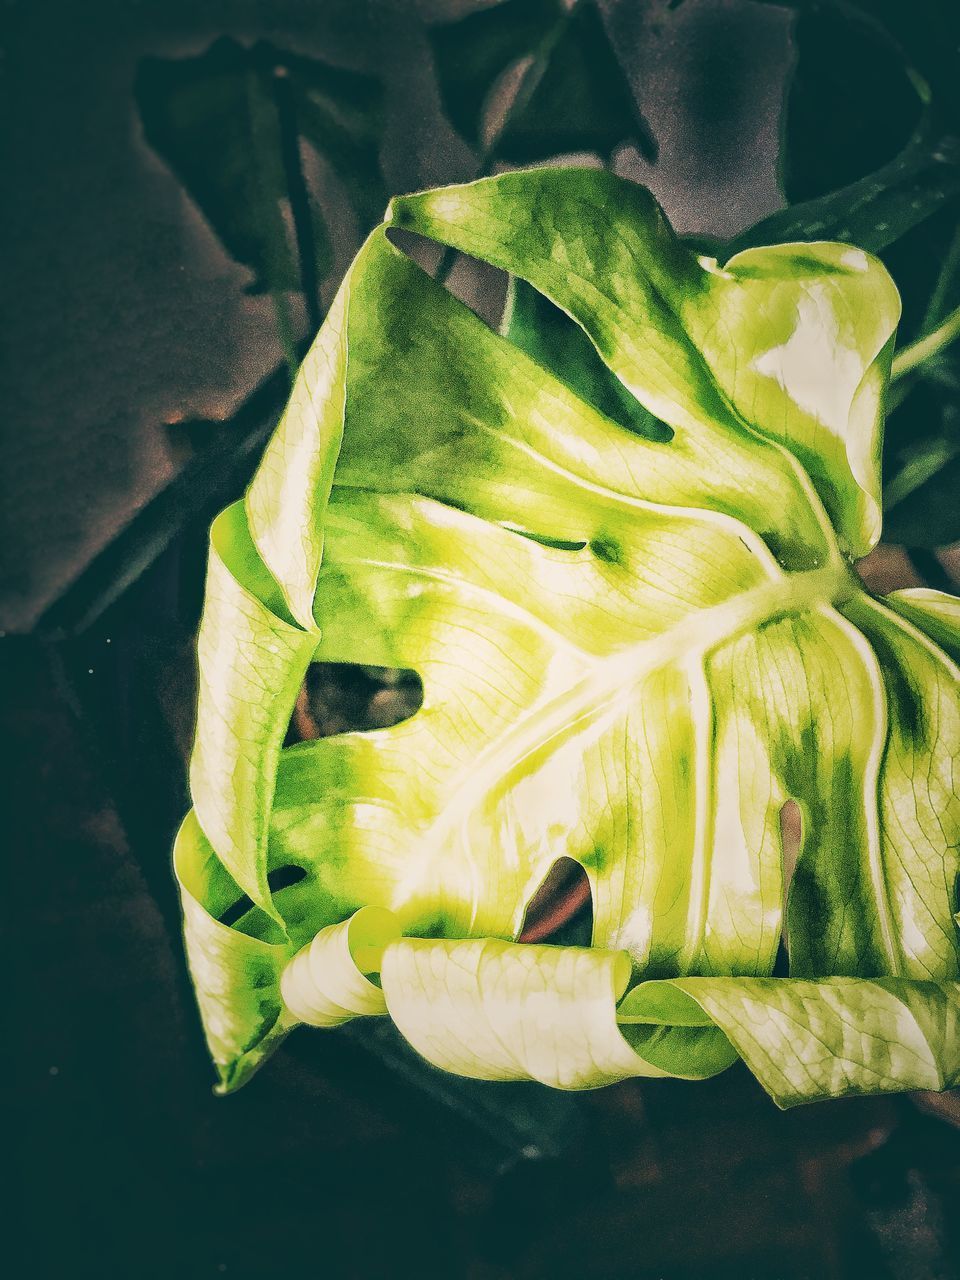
602, 691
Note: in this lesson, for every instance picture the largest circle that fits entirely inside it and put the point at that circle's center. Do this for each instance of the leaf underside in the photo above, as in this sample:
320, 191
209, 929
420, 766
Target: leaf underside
639, 636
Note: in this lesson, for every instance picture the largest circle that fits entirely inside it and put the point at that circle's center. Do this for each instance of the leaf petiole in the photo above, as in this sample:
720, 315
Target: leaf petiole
929, 345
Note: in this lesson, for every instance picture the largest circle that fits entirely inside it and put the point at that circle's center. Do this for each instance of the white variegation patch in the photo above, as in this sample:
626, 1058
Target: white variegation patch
814, 367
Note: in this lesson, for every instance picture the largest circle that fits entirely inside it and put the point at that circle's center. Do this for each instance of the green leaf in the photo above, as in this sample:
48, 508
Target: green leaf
466, 1007
812, 1040
327, 983
877, 210
228, 122
236, 975
306, 443
252, 659
633, 650
851, 105
864, 69
579, 98
744, 349
934, 612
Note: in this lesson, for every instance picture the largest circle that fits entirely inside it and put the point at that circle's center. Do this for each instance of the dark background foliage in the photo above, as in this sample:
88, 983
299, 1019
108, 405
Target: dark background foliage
186, 181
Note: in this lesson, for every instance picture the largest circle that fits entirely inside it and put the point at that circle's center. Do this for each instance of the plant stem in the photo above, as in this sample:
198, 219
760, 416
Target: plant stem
260, 107
297, 194
936, 310
917, 470
529, 82
929, 345
897, 392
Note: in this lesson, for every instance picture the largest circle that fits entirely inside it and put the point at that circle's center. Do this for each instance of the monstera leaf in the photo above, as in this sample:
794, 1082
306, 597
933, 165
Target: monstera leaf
635, 645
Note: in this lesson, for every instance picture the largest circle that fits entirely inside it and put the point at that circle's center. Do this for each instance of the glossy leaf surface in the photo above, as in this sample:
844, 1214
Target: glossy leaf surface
876, 211
868, 79
634, 647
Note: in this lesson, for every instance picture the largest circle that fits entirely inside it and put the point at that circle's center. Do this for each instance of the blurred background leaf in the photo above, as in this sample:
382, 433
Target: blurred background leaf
852, 106
229, 123
573, 95
870, 144
877, 210
922, 492
214, 121
340, 114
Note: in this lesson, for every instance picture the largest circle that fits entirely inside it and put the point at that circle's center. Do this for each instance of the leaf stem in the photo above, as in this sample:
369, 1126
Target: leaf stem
297, 194
898, 391
917, 469
936, 310
929, 345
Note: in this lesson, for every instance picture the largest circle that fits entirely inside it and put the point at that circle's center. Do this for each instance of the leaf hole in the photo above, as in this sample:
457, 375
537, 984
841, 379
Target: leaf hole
791, 838
344, 697
544, 540
479, 285
553, 339
281, 878
563, 905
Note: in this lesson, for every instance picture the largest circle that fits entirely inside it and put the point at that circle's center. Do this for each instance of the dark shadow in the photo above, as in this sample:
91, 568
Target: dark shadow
282, 878
344, 697
561, 907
